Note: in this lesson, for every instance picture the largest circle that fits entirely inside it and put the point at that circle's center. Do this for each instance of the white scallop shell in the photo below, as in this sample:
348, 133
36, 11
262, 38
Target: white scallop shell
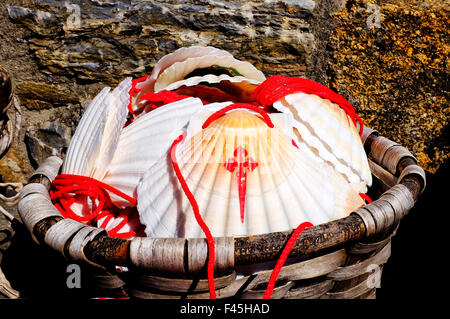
286, 188
209, 78
178, 70
87, 137
117, 116
328, 132
179, 55
93, 144
144, 141
173, 67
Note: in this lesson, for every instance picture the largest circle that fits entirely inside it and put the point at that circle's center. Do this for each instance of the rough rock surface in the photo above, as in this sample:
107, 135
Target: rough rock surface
108, 40
72, 49
51, 138
389, 59
395, 71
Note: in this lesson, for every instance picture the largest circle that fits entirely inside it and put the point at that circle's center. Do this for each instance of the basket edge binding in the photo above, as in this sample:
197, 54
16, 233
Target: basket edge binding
97, 248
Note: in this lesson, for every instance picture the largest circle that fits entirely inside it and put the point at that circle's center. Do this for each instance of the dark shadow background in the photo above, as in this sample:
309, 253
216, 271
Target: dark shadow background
418, 261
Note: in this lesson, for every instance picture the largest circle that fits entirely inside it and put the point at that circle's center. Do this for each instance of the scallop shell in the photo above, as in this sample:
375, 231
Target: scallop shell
117, 116
328, 132
177, 71
284, 186
144, 141
209, 78
93, 145
175, 66
87, 138
179, 55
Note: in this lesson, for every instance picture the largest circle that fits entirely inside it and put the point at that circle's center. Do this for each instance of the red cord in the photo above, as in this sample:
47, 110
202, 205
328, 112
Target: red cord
365, 197
106, 221
114, 232
277, 86
65, 188
198, 217
162, 97
134, 90
209, 91
284, 254
234, 106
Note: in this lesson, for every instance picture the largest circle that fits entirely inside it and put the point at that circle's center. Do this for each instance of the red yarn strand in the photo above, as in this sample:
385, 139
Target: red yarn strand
198, 217
365, 197
134, 90
277, 87
234, 106
284, 254
163, 96
210, 92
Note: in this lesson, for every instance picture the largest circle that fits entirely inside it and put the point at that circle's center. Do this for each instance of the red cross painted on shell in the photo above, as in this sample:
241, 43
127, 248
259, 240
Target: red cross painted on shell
243, 163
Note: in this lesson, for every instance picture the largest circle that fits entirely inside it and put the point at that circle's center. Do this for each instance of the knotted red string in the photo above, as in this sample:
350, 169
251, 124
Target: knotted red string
67, 187
164, 97
278, 86
114, 232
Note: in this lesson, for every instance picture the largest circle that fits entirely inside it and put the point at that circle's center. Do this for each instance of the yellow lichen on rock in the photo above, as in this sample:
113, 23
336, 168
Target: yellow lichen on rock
397, 76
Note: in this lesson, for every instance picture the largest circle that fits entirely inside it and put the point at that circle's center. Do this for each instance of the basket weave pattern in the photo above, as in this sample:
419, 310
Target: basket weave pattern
340, 259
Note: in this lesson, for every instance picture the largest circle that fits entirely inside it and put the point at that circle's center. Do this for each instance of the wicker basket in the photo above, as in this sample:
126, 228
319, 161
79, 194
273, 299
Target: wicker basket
340, 259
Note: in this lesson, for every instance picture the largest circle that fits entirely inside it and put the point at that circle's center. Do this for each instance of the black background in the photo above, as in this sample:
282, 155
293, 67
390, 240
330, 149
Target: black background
418, 263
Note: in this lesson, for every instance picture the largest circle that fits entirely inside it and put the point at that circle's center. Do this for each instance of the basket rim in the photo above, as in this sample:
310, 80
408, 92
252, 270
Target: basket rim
368, 221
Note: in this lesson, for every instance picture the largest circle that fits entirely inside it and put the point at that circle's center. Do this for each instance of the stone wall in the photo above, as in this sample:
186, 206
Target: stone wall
395, 73
387, 57
69, 50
